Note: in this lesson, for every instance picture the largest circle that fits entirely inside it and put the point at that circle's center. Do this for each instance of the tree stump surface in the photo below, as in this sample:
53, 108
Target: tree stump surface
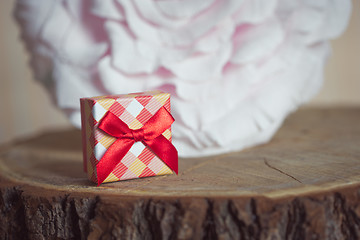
303, 184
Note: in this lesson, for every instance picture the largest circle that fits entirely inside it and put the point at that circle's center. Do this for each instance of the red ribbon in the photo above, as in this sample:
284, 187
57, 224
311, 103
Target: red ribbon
150, 135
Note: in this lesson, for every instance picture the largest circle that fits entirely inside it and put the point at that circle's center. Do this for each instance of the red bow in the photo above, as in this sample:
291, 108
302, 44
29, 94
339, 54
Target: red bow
150, 135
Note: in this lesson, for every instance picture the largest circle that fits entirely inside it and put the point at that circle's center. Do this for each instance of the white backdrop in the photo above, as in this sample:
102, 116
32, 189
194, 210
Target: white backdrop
26, 109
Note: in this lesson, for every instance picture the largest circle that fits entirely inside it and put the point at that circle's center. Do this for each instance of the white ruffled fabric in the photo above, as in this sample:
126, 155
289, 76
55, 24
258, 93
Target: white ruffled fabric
235, 68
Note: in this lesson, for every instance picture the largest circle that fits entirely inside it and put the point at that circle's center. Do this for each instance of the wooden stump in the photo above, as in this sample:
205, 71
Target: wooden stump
304, 184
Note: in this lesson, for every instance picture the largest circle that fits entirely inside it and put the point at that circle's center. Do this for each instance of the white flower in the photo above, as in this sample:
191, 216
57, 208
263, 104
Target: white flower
235, 68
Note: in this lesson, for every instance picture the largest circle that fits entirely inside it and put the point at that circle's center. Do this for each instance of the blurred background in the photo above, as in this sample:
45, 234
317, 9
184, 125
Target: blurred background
26, 109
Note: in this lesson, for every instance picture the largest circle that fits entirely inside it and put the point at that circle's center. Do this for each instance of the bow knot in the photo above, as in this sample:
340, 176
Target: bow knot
150, 135
137, 135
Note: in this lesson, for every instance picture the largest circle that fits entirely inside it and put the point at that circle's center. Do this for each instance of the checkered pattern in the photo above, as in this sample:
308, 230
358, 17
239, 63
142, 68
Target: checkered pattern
135, 110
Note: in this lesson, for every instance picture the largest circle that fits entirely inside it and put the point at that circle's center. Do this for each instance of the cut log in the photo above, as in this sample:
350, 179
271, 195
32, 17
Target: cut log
303, 184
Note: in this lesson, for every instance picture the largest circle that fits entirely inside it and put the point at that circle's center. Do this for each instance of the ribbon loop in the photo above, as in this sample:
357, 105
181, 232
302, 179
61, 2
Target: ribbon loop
150, 135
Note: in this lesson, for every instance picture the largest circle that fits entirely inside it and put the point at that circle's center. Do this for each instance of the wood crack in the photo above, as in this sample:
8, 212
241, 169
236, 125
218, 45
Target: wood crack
280, 171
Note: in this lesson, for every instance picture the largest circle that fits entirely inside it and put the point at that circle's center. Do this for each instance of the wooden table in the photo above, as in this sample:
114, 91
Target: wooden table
304, 184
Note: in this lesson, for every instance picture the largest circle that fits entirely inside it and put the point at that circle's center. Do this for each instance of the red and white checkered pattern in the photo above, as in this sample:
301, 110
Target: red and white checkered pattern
135, 110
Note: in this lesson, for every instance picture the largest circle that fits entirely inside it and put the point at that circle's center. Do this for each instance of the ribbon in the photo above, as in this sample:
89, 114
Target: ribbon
150, 135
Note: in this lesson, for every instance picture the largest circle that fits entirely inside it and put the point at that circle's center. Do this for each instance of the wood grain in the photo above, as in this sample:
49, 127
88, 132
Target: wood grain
304, 184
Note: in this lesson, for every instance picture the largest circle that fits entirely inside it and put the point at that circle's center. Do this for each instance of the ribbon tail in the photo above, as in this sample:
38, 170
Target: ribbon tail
165, 151
112, 157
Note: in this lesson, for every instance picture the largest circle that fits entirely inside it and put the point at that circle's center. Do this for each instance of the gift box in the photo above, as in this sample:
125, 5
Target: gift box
127, 136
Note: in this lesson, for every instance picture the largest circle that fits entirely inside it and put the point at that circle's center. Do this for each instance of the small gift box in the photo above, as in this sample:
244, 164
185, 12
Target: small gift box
127, 136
